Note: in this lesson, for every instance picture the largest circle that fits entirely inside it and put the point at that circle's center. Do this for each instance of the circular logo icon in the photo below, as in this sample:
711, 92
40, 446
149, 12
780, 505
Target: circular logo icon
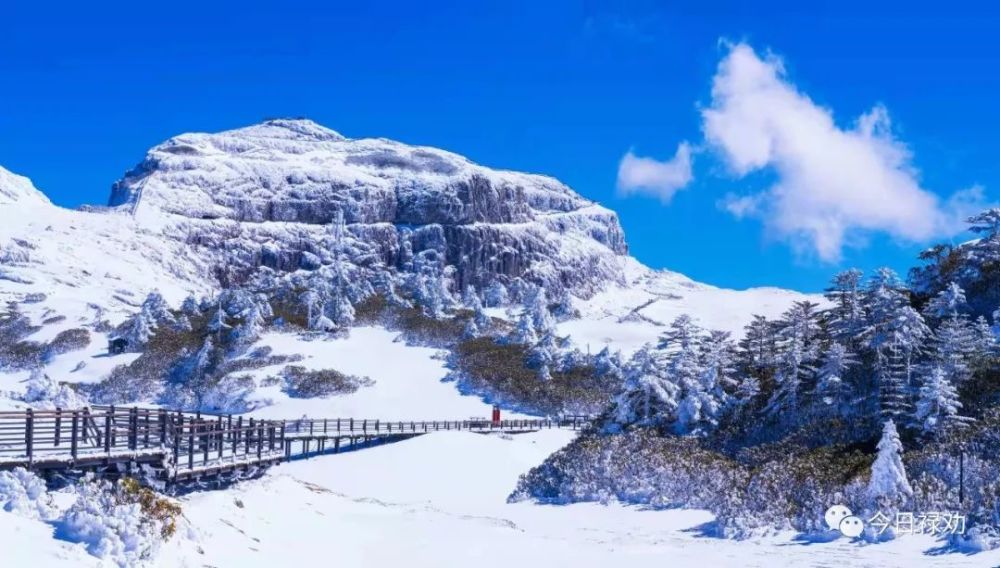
836, 514
851, 526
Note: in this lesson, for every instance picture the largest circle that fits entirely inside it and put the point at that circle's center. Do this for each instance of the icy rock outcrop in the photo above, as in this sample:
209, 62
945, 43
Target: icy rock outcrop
265, 194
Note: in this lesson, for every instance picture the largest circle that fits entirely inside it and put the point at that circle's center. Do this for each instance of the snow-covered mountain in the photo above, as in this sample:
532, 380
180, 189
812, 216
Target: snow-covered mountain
207, 211
267, 194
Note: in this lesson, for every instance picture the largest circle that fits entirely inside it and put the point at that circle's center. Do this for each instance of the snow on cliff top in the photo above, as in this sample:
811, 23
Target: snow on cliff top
209, 175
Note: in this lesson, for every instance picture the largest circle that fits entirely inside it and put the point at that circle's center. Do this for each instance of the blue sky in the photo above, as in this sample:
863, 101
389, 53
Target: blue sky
562, 88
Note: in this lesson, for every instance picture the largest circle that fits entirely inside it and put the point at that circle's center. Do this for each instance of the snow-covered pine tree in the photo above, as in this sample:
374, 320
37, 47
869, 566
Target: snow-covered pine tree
888, 484
253, 320
952, 349
948, 303
341, 309
984, 342
524, 332
907, 334
608, 363
496, 295
758, 348
987, 226
681, 345
938, 407
833, 391
190, 306
798, 334
545, 352
217, 324
847, 317
538, 306
648, 396
138, 330
885, 298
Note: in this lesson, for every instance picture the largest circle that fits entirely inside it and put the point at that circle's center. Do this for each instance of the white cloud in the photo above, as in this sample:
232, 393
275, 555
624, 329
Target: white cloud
652, 177
833, 184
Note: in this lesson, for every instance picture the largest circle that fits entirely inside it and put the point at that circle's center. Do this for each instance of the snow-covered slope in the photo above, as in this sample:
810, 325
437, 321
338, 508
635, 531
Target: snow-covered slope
440, 500
627, 316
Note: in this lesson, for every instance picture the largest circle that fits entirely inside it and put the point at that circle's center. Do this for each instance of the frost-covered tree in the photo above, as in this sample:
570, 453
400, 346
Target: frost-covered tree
218, 323
952, 349
608, 363
798, 335
888, 482
431, 285
545, 353
847, 317
984, 342
524, 331
948, 303
496, 295
538, 306
886, 303
42, 391
253, 320
937, 407
340, 307
833, 391
758, 348
648, 397
699, 394
190, 306
139, 329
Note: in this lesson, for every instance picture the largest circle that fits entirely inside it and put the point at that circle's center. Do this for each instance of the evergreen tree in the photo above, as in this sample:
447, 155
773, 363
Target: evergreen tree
341, 309
648, 397
952, 349
832, 388
758, 348
496, 295
799, 344
847, 317
698, 393
608, 363
937, 406
538, 305
948, 303
885, 300
524, 332
984, 342
888, 483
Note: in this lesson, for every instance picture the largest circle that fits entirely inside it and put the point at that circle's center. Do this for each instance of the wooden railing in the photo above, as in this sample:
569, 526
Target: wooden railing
185, 444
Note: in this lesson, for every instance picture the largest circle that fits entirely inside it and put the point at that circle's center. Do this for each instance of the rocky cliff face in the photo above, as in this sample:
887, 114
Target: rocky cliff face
266, 194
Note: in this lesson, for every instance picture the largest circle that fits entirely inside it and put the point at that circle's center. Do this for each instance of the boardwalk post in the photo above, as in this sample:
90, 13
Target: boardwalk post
58, 424
248, 435
338, 425
107, 429
74, 432
29, 434
191, 445
260, 441
133, 427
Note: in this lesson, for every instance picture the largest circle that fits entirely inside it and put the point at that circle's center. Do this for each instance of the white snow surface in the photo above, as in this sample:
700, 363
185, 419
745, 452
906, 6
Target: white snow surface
625, 317
408, 383
440, 500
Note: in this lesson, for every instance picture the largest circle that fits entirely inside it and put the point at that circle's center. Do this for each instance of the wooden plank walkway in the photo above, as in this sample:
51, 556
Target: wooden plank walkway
184, 445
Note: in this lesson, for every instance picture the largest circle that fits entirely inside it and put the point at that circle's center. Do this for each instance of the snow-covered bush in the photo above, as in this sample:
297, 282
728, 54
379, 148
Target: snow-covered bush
42, 391
24, 493
122, 523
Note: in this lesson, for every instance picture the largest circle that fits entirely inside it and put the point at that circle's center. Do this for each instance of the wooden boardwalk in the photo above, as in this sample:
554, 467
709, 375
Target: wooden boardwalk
182, 446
